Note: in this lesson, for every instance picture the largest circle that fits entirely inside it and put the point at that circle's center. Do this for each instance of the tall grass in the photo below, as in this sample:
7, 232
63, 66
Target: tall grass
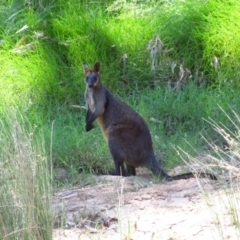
223, 198
25, 181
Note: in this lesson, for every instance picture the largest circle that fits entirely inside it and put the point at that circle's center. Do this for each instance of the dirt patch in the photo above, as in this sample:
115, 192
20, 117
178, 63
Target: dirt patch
135, 208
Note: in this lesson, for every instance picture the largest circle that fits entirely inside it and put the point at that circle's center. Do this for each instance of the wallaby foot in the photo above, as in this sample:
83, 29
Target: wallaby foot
113, 173
120, 169
131, 171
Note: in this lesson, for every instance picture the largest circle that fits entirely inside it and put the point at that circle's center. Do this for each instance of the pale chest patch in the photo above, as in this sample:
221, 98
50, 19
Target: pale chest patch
90, 101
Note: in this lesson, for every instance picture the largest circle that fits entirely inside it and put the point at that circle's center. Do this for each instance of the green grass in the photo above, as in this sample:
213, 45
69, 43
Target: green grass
180, 117
43, 46
73, 148
179, 120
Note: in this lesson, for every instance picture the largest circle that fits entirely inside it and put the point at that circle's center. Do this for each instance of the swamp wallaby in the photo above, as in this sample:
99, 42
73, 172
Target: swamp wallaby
128, 137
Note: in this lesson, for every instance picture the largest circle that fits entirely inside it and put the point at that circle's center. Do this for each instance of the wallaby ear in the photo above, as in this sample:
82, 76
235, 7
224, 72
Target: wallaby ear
85, 67
96, 67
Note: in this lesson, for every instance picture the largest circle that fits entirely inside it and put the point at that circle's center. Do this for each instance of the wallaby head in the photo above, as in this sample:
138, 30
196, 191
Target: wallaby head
92, 78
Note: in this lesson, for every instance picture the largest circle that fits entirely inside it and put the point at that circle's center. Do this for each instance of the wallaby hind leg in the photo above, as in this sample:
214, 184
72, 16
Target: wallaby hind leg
119, 169
117, 157
131, 170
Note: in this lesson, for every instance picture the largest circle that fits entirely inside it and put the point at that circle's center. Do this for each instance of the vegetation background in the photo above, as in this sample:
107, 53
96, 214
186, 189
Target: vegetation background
175, 62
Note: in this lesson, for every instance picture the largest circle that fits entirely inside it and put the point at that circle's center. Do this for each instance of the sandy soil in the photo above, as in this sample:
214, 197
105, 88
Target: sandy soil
108, 207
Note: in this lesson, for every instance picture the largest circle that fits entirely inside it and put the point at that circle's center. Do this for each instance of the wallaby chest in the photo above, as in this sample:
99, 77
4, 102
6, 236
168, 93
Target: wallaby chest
90, 100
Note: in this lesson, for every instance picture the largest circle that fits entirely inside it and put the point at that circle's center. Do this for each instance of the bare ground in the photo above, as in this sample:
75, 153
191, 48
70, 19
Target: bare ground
108, 207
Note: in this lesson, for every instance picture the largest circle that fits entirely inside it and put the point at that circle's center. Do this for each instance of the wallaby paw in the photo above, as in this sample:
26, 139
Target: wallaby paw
89, 127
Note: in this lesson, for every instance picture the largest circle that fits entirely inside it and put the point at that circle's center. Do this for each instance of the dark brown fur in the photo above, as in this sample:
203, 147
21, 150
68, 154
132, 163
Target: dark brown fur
127, 134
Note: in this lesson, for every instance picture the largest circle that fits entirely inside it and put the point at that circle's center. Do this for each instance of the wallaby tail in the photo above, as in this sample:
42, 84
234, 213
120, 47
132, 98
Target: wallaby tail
191, 175
156, 168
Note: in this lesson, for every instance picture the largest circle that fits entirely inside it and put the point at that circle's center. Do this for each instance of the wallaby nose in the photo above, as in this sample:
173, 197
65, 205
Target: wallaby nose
90, 85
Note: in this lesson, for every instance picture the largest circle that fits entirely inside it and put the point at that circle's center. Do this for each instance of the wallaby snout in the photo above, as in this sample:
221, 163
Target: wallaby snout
90, 85
91, 79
